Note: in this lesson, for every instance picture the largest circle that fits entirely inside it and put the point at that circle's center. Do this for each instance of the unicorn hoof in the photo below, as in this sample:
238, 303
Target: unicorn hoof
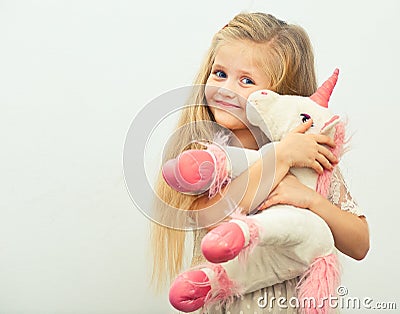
192, 172
189, 291
223, 243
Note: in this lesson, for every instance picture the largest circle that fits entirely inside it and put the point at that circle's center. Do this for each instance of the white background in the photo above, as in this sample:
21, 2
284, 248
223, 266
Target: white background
73, 75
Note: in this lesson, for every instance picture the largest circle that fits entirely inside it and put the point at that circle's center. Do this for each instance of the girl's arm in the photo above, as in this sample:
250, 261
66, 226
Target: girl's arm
244, 192
295, 150
350, 231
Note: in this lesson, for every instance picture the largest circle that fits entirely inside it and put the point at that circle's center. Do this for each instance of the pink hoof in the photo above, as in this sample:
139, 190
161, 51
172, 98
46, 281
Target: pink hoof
189, 291
193, 171
223, 243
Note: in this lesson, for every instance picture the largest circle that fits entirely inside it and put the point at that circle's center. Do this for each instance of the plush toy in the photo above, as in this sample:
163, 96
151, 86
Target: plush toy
280, 243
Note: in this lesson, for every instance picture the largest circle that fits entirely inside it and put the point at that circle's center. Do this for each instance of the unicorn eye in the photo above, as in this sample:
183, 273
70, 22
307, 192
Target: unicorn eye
305, 117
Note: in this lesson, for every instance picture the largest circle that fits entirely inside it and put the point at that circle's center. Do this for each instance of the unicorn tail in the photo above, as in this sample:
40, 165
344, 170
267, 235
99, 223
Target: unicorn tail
318, 283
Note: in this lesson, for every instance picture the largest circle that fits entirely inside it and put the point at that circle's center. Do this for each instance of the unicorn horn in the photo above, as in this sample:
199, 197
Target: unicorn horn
323, 93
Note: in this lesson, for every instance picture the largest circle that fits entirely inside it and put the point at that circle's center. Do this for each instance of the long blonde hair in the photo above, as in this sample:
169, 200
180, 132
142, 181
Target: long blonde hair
288, 63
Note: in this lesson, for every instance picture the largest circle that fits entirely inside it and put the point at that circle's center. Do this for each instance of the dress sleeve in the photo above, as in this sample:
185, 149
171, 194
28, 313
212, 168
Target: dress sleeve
340, 196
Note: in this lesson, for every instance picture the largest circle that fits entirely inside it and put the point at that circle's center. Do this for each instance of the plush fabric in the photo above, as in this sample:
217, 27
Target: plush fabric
291, 241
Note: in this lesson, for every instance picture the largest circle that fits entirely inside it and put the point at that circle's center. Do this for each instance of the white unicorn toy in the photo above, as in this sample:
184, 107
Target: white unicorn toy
280, 243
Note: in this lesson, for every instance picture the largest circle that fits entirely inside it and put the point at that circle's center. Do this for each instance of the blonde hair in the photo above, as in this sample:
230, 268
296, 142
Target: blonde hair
287, 61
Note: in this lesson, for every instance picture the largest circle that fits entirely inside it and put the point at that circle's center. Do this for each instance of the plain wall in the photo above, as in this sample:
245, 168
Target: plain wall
73, 76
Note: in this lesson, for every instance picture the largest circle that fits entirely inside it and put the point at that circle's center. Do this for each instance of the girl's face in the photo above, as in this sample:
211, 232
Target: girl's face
235, 74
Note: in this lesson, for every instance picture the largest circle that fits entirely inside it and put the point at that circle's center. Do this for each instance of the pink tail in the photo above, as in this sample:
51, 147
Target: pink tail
318, 284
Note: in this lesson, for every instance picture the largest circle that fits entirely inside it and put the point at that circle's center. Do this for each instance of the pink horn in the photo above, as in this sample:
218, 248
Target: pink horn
323, 93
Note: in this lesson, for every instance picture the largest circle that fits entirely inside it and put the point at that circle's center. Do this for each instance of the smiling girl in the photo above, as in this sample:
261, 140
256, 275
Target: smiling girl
257, 51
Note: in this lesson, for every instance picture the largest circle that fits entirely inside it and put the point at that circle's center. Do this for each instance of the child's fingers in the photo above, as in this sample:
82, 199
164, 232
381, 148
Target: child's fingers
328, 154
261, 207
302, 128
324, 139
324, 162
272, 200
317, 167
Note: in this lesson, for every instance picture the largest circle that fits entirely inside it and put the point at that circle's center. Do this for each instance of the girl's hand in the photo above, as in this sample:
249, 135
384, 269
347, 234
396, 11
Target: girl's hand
306, 150
290, 191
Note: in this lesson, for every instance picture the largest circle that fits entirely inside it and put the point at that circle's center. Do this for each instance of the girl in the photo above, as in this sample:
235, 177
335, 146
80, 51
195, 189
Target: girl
252, 52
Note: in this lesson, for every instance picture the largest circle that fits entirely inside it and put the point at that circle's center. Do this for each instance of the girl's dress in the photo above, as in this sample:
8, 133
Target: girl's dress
280, 297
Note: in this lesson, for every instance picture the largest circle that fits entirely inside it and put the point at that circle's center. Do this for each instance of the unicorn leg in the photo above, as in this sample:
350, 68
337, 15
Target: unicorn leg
229, 239
202, 287
189, 290
289, 241
281, 226
284, 251
193, 171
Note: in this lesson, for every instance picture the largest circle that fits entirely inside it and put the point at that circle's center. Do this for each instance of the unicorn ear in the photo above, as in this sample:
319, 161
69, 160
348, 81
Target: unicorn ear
323, 93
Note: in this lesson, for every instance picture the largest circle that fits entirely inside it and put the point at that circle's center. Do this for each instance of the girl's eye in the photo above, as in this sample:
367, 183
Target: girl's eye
220, 74
247, 81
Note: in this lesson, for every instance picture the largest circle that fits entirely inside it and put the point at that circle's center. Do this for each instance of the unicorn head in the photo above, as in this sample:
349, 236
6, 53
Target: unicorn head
276, 115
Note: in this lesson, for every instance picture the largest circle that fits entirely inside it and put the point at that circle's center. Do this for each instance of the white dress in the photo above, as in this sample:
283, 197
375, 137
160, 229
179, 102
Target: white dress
276, 298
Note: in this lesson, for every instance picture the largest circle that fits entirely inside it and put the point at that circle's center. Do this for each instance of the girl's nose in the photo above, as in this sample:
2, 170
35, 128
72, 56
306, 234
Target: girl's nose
226, 92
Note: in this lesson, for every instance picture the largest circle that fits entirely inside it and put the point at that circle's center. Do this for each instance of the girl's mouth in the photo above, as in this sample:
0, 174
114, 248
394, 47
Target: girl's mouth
227, 104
